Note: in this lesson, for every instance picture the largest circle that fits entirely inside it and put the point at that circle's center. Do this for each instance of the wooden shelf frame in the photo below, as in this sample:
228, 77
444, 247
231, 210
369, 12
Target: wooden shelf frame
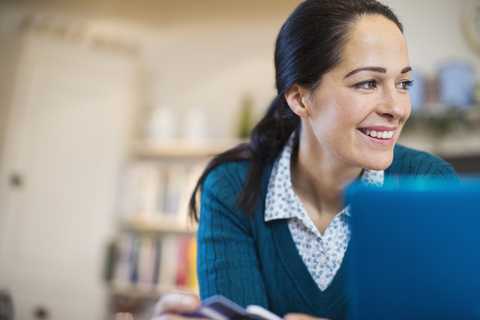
160, 226
182, 148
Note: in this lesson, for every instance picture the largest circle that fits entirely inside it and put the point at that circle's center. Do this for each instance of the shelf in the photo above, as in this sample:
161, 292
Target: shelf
160, 226
151, 293
181, 148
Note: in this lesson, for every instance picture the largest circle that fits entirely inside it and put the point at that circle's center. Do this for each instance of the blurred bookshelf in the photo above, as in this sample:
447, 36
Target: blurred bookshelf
453, 135
154, 248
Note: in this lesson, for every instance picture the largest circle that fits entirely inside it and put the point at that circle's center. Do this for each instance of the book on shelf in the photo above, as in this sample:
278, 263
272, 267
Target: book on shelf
154, 262
175, 183
167, 274
147, 259
153, 191
122, 267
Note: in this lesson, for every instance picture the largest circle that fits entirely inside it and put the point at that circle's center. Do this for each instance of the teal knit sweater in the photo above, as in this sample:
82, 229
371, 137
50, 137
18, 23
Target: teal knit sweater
252, 261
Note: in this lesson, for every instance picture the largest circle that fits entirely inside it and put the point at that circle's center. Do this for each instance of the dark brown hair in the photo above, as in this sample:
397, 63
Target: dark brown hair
310, 44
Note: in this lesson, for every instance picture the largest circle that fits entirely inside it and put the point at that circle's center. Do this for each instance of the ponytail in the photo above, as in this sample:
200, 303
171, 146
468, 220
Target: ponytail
266, 142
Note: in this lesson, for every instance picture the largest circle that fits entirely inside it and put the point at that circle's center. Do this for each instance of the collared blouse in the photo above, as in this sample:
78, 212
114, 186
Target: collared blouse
322, 254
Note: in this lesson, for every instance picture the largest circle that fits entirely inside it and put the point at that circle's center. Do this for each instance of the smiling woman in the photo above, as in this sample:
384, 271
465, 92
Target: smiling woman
366, 91
273, 229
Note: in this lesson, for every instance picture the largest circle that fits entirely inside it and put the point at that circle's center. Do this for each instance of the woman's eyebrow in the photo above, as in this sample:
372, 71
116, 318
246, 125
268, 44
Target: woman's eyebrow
407, 69
375, 69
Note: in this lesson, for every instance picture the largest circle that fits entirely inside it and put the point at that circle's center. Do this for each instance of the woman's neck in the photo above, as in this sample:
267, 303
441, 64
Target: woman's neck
318, 178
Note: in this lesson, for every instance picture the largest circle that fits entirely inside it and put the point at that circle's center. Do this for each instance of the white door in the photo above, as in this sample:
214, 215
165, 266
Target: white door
66, 137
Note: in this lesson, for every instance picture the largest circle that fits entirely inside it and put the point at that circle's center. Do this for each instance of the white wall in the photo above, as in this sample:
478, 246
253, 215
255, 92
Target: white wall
212, 67
433, 29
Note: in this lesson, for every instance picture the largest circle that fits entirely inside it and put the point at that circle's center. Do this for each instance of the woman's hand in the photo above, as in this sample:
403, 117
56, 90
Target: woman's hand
172, 304
300, 316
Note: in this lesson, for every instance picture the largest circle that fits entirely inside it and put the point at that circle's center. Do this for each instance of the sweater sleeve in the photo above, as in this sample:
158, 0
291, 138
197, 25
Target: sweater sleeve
227, 261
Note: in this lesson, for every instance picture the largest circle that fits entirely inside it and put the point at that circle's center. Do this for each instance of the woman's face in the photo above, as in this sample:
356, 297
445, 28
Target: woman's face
360, 107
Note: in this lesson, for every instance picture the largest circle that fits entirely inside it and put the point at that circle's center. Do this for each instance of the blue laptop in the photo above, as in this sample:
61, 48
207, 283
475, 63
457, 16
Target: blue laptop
416, 251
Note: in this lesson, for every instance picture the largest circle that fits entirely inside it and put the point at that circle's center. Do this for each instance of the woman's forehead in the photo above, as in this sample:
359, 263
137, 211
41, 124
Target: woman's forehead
375, 41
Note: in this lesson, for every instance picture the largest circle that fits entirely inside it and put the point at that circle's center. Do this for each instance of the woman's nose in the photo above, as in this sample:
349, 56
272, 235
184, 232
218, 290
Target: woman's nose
394, 104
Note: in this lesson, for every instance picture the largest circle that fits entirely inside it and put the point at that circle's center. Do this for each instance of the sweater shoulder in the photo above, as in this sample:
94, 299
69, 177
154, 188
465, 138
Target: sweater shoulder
407, 161
225, 183
228, 177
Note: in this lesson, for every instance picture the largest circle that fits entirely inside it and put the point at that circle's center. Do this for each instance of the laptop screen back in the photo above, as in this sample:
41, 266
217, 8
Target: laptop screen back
416, 252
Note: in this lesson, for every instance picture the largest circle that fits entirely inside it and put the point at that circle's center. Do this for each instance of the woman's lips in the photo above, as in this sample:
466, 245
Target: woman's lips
383, 136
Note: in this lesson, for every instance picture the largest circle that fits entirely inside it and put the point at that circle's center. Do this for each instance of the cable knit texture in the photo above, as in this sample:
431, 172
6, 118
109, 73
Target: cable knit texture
255, 262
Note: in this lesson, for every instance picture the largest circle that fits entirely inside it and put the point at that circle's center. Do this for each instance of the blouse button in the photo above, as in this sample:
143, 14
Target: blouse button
323, 259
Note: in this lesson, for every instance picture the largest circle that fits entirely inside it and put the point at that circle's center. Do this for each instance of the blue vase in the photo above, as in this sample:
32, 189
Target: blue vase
457, 85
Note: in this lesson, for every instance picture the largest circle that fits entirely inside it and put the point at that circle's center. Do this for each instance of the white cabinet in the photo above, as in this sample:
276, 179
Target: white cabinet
65, 115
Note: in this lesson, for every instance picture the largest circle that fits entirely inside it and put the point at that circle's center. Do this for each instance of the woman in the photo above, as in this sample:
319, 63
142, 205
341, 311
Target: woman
273, 230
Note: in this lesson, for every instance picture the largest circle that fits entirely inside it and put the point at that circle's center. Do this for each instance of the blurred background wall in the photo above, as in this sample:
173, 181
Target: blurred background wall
84, 83
207, 55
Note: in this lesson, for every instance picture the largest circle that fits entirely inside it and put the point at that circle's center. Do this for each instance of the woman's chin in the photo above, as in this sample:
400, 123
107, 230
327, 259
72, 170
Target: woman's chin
380, 162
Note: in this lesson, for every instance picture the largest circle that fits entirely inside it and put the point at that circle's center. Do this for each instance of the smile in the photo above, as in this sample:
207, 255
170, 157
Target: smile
378, 134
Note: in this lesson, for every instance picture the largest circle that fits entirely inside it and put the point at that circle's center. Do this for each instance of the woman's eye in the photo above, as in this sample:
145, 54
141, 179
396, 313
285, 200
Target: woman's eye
372, 84
404, 85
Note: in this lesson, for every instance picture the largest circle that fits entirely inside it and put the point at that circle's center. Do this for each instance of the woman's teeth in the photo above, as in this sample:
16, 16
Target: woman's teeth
378, 134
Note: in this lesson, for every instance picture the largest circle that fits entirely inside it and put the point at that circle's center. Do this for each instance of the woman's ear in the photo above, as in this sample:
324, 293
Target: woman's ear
295, 96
